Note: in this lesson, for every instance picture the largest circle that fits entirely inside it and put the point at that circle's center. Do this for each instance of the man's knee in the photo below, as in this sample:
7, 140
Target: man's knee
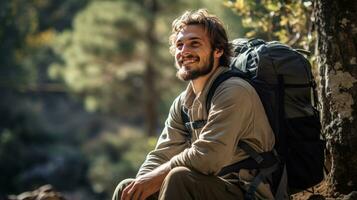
178, 175
175, 184
120, 187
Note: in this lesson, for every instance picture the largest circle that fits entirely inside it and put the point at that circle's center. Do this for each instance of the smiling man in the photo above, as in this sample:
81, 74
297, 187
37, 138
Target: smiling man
186, 162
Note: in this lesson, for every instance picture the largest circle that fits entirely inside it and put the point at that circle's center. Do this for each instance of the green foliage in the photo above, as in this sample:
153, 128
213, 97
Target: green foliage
24, 28
287, 21
21, 142
18, 19
103, 57
25, 140
116, 156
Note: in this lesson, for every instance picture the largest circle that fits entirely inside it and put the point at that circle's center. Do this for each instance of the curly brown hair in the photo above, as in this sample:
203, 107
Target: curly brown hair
213, 27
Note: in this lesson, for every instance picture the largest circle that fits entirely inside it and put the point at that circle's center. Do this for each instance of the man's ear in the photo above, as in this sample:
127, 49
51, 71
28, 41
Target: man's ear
218, 53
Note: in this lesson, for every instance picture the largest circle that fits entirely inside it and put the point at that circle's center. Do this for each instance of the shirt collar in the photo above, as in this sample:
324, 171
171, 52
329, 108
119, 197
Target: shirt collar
190, 96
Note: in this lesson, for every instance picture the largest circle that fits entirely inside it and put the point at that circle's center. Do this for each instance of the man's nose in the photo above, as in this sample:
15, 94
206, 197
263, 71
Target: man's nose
185, 50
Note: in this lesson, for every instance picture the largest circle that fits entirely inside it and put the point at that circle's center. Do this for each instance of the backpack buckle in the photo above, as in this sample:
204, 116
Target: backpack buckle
188, 126
195, 125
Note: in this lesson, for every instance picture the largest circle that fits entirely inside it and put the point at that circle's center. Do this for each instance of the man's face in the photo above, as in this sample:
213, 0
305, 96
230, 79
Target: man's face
193, 53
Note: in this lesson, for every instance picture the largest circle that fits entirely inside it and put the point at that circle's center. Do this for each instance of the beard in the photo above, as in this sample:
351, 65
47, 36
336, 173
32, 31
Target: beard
192, 74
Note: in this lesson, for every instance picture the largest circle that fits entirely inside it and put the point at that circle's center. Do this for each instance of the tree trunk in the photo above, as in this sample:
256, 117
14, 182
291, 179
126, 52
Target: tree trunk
336, 53
151, 94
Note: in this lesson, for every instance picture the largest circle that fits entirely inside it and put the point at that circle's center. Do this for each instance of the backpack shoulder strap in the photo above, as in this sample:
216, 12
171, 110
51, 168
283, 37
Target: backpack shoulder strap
185, 117
234, 72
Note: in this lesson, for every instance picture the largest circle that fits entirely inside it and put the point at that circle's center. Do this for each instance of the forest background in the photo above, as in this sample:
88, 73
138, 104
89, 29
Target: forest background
86, 85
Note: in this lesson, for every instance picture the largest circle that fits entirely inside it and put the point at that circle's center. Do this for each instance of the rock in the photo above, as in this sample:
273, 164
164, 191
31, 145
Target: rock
45, 192
27, 196
351, 196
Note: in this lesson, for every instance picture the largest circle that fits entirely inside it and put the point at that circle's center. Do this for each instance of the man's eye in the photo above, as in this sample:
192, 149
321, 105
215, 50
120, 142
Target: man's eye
195, 44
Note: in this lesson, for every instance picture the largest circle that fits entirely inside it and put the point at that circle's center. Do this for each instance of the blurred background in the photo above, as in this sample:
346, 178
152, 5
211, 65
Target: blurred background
86, 85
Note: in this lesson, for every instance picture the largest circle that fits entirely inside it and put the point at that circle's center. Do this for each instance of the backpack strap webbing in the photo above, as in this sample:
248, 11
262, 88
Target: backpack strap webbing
266, 163
269, 159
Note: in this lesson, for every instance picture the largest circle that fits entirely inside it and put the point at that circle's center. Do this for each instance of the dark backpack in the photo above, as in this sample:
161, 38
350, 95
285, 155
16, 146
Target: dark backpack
283, 80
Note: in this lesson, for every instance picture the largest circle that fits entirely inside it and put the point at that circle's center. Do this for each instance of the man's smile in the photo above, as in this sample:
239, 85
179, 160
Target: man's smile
189, 60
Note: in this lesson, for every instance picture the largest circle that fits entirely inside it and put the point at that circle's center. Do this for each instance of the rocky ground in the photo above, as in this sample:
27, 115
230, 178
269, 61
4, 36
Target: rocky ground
45, 192
321, 192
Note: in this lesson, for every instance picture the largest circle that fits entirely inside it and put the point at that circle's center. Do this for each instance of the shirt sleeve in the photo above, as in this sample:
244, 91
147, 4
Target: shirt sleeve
173, 140
228, 120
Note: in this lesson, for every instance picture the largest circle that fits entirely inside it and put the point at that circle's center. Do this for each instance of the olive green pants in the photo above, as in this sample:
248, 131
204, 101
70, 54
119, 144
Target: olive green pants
183, 184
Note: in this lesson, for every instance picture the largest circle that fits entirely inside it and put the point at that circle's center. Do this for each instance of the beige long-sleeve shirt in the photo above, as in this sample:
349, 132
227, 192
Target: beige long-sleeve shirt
236, 114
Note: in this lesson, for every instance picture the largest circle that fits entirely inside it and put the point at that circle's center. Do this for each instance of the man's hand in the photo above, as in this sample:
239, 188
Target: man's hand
146, 185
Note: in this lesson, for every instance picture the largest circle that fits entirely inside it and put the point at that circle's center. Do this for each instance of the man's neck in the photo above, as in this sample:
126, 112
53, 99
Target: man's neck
199, 83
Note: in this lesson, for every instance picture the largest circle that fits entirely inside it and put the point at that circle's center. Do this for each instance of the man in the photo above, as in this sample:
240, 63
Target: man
185, 163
